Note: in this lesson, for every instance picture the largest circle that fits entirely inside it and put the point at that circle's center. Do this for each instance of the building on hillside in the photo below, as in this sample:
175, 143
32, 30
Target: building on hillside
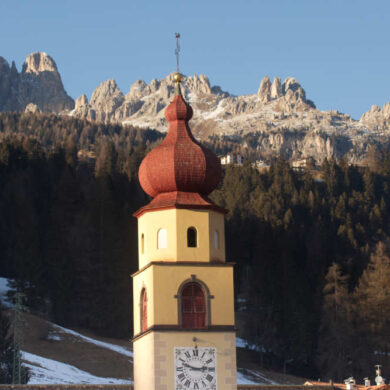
232, 158
303, 163
299, 164
184, 329
261, 165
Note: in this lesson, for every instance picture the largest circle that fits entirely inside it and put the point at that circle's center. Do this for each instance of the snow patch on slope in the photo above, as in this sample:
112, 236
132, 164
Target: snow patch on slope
252, 377
4, 289
48, 371
102, 344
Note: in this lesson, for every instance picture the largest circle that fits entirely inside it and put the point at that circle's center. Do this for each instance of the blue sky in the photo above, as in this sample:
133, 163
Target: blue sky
337, 49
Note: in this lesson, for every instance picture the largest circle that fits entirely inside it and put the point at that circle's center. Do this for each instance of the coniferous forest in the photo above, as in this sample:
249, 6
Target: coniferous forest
312, 256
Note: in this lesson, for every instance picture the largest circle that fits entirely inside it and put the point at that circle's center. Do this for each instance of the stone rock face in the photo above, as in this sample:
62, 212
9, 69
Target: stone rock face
81, 101
276, 88
105, 100
33, 108
264, 91
283, 120
377, 118
39, 62
39, 83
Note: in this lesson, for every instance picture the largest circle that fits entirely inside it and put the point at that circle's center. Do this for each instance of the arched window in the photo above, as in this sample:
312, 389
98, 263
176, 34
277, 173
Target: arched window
193, 306
144, 311
216, 239
192, 239
162, 239
142, 243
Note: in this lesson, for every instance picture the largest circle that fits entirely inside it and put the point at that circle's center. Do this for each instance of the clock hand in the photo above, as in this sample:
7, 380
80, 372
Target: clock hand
193, 368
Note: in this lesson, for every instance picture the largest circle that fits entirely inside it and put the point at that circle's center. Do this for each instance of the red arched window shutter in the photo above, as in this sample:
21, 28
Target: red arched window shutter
193, 306
144, 311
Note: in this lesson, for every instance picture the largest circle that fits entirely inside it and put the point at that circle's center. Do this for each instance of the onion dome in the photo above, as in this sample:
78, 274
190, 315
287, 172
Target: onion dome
179, 172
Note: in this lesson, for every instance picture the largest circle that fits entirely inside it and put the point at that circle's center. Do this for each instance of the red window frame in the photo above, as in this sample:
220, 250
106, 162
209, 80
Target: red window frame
144, 311
193, 306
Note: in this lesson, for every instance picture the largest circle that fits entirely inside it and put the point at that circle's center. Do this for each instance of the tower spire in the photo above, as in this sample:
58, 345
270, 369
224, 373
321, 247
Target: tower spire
178, 77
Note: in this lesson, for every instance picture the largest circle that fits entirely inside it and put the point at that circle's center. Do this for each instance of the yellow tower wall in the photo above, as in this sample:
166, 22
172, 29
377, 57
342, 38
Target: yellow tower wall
163, 308
145, 280
155, 358
176, 222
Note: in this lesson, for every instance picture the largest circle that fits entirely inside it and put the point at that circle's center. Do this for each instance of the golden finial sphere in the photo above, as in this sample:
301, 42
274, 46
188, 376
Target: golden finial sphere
178, 77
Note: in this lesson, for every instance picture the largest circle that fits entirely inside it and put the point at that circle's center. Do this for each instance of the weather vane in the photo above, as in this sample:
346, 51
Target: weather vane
177, 77
177, 50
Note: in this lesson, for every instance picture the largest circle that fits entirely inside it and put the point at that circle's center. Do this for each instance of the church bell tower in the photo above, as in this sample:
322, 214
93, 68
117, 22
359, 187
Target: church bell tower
184, 334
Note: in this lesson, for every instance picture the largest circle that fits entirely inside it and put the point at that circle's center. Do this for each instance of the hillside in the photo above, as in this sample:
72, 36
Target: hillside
58, 355
55, 354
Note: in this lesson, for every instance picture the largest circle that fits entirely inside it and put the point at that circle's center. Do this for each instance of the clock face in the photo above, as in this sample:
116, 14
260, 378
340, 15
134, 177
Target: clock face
195, 368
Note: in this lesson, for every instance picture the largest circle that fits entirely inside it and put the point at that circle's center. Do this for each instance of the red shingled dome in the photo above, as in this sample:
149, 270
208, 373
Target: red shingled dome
179, 163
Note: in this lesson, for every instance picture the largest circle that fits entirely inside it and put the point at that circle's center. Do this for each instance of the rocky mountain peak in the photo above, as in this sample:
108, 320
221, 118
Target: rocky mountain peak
105, 100
264, 91
81, 101
290, 83
39, 84
198, 84
276, 88
377, 117
106, 91
294, 96
137, 90
39, 62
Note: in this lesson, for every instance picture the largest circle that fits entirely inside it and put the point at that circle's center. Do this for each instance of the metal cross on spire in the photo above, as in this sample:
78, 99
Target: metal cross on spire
177, 51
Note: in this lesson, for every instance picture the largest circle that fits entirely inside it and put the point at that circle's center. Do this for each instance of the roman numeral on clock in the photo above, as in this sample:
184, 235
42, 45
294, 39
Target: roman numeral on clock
187, 354
187, 383
181, 377
195, 352
196, 386
209, 377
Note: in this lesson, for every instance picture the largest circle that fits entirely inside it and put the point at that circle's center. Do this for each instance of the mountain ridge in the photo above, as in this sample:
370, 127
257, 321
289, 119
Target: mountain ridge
284, 121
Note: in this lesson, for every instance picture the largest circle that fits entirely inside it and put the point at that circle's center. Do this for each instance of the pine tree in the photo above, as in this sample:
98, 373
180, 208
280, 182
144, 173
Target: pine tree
373, 303
336, 331
7, 351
